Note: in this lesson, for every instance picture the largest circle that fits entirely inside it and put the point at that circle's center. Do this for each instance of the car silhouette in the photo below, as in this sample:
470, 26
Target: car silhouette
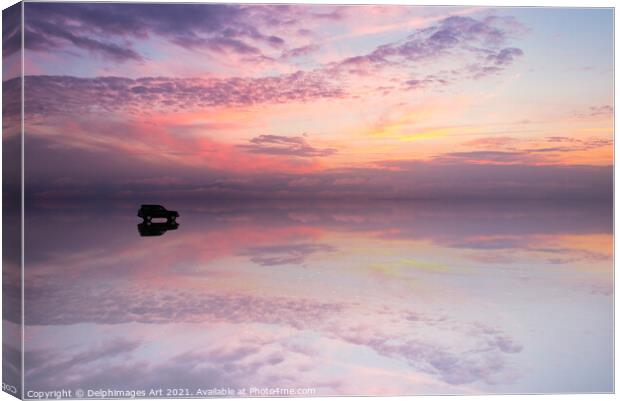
149, 212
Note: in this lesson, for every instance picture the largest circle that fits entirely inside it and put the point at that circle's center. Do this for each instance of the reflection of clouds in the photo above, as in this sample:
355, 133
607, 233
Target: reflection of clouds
343, 320
115, 371
251, 357
287, 254
570, 255
455, 351
474, 352
40, 363
461, 362
60, 305
601, 289
550, 249
491, 243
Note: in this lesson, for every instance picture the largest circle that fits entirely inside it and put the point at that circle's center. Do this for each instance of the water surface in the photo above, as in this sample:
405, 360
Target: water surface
348, 299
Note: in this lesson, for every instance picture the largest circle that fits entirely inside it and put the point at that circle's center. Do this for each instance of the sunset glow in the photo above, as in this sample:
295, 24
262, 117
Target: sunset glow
200, 98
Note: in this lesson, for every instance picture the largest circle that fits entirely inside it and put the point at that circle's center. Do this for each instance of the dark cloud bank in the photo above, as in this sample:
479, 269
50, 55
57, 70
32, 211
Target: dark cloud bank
67, 173
106, 30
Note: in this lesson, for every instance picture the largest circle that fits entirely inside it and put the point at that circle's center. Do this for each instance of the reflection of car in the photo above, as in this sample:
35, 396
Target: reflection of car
148, 212
149, 229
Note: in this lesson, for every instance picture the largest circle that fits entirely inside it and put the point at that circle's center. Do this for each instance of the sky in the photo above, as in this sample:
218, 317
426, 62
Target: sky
298, 101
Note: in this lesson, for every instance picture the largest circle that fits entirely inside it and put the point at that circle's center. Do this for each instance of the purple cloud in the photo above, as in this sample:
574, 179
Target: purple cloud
494, 142
488, 156
596, 111
300, 51
222, 44
285, 145
51, 34
222, 28
505, 56
110, 30
506, 149
47, 95
480, 39
51, 26
425, 82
